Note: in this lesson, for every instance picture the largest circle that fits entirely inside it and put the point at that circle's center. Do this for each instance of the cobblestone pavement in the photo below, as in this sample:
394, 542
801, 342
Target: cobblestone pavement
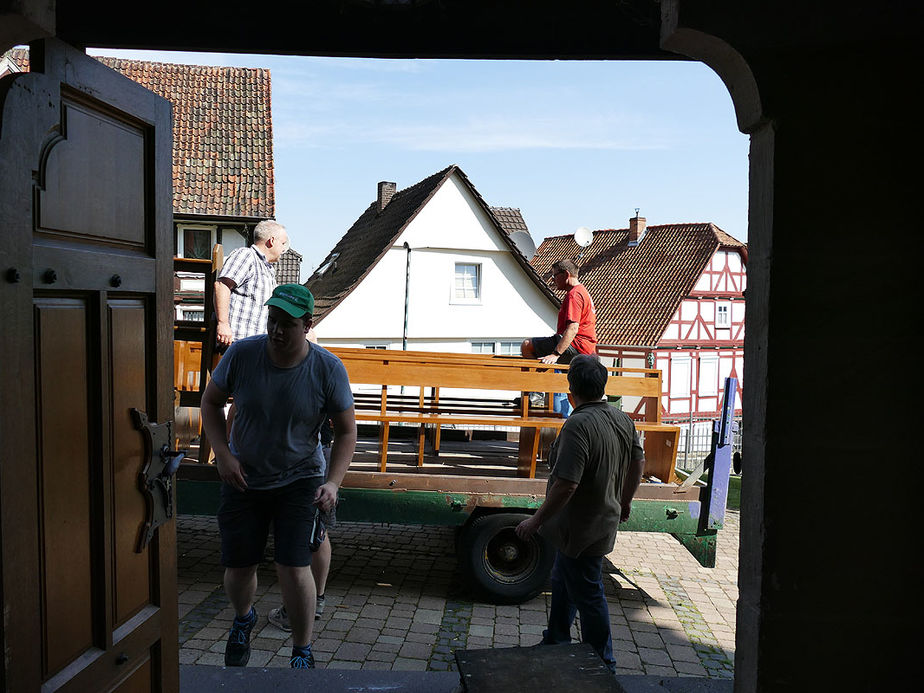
394, 602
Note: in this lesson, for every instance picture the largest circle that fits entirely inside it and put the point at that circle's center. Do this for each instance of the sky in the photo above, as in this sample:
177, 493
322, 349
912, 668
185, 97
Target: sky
569, 143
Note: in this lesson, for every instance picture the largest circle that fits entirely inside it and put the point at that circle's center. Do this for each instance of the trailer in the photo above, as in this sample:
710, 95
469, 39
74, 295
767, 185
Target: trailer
408, 470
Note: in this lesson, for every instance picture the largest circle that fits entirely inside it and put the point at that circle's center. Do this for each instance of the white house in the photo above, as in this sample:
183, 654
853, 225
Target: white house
430, 268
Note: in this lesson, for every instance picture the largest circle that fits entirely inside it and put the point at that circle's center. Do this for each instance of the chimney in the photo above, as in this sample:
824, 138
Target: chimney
386, 192
636, 229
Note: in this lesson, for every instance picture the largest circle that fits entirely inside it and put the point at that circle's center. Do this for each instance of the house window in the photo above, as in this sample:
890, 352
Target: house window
723, 314
708, 375
197, 243
467, 287
197, 314
482, 347
509, 349
680, 376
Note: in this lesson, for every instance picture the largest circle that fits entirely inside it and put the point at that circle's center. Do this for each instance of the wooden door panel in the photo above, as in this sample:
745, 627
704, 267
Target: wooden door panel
128, 378
85, 158
64, 477
93, 146
140, 681
81, 266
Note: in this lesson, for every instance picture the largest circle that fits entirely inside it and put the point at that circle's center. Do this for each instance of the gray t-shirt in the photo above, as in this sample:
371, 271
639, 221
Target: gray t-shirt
592, 450
279, 411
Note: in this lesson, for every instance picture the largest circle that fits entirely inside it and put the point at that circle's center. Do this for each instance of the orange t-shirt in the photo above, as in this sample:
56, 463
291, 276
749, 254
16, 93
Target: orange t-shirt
578, 307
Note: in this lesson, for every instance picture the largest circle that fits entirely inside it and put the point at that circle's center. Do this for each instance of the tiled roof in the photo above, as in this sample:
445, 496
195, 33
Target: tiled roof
19, 57
509, 219
637, 290
289, 268
222, 134
373, 233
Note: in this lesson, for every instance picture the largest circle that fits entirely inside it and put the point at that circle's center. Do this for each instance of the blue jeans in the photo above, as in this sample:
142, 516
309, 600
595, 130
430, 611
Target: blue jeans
560, 404
577, 587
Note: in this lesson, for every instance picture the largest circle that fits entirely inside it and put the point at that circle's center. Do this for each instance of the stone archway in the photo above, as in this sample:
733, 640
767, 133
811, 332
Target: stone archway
832, 304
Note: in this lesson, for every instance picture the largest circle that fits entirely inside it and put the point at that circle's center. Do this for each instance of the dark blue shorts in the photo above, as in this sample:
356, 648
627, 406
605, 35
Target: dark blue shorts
244, 519
543, 346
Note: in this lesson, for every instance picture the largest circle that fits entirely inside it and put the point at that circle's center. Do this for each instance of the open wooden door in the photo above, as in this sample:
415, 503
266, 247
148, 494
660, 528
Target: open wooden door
85, 336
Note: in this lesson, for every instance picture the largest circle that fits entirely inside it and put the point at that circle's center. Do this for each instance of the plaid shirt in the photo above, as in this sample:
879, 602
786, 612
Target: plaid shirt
255, 278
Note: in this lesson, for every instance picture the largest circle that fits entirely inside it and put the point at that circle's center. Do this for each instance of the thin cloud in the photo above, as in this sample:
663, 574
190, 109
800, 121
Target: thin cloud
479, 134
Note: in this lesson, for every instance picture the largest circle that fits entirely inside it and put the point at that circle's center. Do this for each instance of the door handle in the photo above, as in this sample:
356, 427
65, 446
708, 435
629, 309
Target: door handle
155, 480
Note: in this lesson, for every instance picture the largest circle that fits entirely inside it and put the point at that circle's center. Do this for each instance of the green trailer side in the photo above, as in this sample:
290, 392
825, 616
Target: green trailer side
502, 567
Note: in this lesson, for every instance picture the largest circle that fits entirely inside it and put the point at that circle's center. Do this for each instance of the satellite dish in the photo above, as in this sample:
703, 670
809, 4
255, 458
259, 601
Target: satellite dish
524, 243
583, 236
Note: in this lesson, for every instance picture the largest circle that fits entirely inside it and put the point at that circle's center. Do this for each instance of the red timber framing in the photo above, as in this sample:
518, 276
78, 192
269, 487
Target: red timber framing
702, 344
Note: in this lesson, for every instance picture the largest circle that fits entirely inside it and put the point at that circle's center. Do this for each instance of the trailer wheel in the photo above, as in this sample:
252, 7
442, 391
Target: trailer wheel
501, 566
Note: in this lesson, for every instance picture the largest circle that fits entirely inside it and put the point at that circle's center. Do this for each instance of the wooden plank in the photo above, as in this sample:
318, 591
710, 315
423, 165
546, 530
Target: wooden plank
425, 368
454, 375
445, 483
481, 359
471, 420
455, 483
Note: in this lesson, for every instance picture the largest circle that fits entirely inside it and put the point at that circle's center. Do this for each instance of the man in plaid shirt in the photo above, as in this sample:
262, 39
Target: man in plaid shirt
246, 281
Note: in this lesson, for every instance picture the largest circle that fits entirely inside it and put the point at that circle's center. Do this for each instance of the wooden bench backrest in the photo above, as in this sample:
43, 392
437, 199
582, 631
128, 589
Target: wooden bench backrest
426, 369
394, 355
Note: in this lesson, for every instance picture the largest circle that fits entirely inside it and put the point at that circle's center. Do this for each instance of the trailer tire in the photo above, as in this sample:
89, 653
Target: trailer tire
501, 567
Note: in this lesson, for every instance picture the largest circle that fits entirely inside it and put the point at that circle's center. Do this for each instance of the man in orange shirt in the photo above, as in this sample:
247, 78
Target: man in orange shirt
577, 320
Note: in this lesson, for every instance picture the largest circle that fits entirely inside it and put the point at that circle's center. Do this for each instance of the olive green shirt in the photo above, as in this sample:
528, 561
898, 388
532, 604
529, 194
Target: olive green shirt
593, 450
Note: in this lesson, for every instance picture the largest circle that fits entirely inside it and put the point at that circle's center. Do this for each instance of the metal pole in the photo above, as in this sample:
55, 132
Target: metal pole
407, 286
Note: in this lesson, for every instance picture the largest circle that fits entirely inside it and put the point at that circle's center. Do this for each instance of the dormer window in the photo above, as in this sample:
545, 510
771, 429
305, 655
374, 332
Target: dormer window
331, 262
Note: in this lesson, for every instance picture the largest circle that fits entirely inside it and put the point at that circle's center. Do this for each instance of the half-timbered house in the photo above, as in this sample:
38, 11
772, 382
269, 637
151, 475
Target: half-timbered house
669, 297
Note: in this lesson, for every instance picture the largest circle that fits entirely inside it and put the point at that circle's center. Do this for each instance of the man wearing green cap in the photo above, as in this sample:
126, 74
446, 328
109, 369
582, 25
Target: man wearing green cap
283, 387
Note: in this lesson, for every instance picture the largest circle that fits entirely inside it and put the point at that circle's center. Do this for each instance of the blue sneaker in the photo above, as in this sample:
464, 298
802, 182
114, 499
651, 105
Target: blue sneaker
237, 651
302, 658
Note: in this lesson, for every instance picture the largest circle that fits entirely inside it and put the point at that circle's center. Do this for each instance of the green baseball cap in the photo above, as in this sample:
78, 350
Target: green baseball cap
294, 299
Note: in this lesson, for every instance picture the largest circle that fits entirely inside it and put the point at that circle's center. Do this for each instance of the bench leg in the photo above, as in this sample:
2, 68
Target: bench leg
421, 435
436, 441
528, 450
206, 454
383, 446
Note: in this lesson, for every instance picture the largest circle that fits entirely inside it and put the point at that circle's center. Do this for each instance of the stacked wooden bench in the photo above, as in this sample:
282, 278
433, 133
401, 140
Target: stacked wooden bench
432, 373
193, 352
486, 500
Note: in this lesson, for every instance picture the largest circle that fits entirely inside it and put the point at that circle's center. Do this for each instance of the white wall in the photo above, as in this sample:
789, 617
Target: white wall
451, 228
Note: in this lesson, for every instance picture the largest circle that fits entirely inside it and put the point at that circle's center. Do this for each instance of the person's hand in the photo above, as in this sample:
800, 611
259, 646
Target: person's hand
527, 528
551, 358
326, 496
231, 471
224, 333
624, 513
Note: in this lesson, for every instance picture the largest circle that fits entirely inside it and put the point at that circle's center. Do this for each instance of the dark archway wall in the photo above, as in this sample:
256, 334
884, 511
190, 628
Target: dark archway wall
378, 28
830, 540
828, 575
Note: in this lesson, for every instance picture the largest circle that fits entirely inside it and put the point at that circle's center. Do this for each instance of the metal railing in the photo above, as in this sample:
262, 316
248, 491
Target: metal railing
696, 441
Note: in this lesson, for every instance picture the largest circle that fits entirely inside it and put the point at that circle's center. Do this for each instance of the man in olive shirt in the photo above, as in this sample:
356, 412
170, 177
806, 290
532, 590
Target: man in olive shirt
597, 465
